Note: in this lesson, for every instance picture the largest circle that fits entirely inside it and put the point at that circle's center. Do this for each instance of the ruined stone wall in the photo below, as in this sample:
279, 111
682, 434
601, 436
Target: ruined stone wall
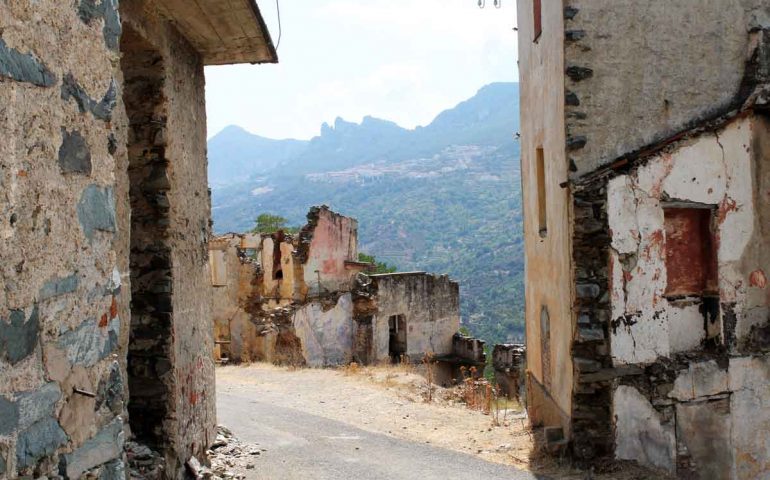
701, 359
326, 243
547, 215
235, 285
510, 364
639, 68
325, 331
63, 312
430, 305
280, 283
175, 184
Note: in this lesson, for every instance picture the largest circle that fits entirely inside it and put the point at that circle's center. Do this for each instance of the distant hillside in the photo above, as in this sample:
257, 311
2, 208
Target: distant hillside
443, 198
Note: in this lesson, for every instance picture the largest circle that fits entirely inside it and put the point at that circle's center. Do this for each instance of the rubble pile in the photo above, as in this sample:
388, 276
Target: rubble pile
230, 459
143, 462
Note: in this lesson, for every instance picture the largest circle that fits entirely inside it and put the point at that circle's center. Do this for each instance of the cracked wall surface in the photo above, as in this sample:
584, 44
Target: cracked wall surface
701, 366
627, 65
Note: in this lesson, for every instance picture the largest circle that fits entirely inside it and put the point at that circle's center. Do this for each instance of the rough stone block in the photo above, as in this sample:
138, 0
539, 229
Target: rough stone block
38, 404
105, 446
102, 109
40, 440
586, 365
19, 338
114, 470
88, 10
74, 155
587, 290
9, 416
96, 210
23, 67
58, 286
89, 343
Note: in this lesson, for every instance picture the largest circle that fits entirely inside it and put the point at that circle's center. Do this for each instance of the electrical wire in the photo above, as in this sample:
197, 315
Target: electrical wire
278, 11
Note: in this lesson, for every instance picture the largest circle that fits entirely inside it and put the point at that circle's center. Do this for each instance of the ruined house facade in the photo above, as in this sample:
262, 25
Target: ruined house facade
645, 177
105, 223
303, 299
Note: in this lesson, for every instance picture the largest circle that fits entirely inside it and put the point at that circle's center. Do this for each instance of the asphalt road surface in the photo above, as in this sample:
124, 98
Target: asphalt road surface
309, 447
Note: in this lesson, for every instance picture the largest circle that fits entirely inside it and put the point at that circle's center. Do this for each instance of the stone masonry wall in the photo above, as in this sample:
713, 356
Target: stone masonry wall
592, 435
63, 280
430, 305
182, 197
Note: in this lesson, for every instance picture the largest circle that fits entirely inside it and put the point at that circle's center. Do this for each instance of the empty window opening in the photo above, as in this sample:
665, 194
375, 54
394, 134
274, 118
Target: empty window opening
542, 214
397, 337
545, 346
218, 267
150, 352
537, 17
691, 259
277, 267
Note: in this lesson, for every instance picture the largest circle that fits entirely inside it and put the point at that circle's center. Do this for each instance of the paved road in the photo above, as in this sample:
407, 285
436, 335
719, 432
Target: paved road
308, 447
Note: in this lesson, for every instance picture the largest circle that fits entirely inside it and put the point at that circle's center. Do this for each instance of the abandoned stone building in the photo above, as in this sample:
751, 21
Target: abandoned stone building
304, 299
105, 224
645, 138
509, 366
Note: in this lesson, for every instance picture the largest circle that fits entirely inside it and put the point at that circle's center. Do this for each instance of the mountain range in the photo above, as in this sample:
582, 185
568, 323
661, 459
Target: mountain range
444, 198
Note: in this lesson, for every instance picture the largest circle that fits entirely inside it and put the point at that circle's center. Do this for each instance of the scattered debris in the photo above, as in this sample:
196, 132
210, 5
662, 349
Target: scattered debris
143, 462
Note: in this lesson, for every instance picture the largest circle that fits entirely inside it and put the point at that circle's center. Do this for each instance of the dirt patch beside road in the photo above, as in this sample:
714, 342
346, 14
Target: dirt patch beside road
390, 400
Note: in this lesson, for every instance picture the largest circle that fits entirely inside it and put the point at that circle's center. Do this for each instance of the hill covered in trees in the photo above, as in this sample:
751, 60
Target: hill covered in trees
444, 198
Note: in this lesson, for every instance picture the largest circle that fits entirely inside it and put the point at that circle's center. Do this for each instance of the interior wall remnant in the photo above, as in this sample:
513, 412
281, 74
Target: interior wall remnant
712, 169
698, 373
691, 256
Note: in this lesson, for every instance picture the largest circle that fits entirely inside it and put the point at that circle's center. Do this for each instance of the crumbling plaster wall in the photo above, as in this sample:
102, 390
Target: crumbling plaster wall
64, 299
230, 300
703, 405
283, 290
430, 305
549, 261
650, 89
326, 334
333, 241
714, 169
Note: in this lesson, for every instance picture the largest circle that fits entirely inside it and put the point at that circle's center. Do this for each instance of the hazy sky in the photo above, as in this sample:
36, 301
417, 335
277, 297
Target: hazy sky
402, 60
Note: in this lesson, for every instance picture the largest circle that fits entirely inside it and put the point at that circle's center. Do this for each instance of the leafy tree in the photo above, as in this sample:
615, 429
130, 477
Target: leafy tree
268, 223
379, 267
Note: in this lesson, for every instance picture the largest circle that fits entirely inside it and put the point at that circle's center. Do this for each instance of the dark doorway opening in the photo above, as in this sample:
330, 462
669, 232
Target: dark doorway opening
150, 353
397, 342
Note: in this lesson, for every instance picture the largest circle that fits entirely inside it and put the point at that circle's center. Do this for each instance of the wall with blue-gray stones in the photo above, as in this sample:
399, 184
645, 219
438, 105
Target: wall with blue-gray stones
65, 283
63, 307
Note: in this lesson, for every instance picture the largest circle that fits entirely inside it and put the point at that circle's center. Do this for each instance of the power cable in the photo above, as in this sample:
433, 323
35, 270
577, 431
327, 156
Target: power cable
278, 10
